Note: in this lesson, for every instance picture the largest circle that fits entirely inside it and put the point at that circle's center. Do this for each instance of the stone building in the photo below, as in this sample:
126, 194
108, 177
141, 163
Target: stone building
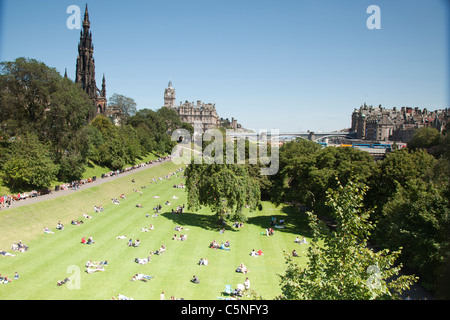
202, 116
381, 124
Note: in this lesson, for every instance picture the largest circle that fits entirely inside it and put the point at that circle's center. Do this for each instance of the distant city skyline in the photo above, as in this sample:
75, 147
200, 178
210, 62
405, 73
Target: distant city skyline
292, 65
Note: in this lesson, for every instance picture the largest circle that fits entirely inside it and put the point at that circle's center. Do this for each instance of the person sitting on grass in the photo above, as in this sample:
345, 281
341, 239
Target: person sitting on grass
214, 244
19, 246
90, 240
223, 247
294, 253
242, 268
195, 280
60, 226
137, 243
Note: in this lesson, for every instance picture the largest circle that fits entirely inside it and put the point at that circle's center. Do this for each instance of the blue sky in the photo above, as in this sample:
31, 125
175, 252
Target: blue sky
292, 65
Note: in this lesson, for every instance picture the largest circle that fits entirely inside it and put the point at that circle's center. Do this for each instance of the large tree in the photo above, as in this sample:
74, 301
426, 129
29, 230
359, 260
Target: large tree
28, 164
36, 98
225, 188
341, 265
126, 104
417, 217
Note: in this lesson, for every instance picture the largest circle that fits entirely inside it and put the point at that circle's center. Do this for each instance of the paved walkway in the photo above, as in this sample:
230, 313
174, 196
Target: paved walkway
98, 181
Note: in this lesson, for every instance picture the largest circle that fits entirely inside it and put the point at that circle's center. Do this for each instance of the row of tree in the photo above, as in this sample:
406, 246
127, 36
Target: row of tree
49, 129
407, 196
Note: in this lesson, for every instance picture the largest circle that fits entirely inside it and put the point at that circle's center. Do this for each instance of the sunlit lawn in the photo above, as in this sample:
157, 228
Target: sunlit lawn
53, 257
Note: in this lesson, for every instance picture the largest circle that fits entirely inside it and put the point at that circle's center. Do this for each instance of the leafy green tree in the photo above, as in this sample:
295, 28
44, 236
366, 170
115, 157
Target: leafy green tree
393, 171
131, 141
417, 217
225, 188
28, 164
427, 138
26, 86
341, 265
36, 98
125, 104
308, 171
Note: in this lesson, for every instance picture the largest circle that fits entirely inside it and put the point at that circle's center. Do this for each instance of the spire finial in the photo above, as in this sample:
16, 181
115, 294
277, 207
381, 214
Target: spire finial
86, 22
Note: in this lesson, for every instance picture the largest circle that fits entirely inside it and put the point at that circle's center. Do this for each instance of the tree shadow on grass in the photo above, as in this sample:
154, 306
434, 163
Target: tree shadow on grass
205, 221
295, 222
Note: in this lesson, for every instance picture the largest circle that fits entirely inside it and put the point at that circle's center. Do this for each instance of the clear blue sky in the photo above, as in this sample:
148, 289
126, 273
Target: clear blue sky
279, 64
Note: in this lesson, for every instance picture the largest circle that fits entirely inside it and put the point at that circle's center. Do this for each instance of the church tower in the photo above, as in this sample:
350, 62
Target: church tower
85, 67
169, 96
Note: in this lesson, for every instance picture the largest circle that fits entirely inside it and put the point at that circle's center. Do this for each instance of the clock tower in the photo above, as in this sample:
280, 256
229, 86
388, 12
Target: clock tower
169, 96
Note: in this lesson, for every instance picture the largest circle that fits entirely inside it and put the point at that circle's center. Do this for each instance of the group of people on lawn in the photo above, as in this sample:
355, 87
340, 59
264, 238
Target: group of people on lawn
92, 267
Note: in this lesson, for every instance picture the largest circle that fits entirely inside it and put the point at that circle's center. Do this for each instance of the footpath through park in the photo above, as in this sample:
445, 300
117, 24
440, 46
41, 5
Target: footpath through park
96, 182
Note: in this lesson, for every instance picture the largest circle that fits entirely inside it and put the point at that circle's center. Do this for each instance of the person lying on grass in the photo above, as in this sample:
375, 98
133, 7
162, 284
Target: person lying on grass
91, 263
61, 282
98, 268
4, 253
161, 250
47, 230
141, 276
143, 261
145, 229
76, 222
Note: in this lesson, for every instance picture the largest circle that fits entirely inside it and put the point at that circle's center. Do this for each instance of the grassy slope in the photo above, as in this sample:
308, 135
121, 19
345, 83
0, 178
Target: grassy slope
91, 170
50, 255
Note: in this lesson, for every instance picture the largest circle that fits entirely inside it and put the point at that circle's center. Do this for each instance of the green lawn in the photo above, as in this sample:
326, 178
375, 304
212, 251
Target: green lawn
53, 257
